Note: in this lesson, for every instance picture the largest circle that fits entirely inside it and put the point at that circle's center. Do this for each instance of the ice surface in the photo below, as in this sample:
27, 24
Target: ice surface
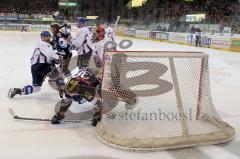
40, 140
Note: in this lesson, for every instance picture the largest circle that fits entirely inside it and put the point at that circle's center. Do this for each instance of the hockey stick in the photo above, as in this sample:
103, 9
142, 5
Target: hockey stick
116, 23
23, 118
56, 16
11, 111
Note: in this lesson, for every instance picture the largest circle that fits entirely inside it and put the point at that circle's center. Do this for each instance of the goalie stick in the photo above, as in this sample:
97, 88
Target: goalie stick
11, 111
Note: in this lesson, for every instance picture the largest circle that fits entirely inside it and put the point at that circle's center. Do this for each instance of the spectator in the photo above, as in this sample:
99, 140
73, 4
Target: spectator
192, 29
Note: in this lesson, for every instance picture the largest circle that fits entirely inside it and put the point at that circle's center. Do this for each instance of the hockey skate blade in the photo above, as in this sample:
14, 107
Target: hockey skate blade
9, 93
12, 113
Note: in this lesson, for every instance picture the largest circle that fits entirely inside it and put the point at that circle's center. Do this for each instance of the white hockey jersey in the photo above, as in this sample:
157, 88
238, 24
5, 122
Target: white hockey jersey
96, 60
63, 43
99, 49
43, 53
110, 33
83, 41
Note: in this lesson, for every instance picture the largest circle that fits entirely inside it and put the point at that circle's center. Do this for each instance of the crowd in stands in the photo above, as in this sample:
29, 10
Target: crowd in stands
218, 10
173, 12
28, 6
223, 12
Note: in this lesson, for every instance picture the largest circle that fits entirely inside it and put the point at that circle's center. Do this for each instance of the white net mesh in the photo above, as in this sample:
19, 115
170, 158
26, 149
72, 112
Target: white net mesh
158, 100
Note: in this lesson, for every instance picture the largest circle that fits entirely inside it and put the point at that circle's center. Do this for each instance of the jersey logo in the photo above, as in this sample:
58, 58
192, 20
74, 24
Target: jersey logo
88, 95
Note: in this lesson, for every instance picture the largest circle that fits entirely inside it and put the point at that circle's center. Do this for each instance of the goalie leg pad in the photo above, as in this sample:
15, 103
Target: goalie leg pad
60, 83
65, 64
65, 104
96, 103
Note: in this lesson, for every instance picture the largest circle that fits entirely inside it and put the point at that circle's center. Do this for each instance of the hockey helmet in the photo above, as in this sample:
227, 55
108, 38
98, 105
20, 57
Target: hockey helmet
45, 34
81, 21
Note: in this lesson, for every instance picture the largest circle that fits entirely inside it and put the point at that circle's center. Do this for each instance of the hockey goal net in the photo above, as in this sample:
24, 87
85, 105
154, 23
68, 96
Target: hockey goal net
157, 101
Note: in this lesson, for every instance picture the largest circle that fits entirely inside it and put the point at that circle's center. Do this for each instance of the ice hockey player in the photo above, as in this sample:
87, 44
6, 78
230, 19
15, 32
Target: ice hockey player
42, 64
110, 31
110, 37
198, 36
83, 43
96, 60
68, 29
84, 86
62, 42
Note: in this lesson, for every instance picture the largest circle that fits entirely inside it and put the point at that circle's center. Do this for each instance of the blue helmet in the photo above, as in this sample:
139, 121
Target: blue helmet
81, 20
45, 34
